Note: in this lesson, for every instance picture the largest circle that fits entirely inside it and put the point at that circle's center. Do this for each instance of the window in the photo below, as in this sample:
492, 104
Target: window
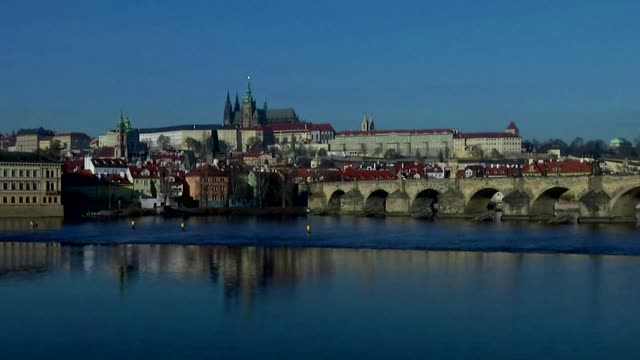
21, 173
50, 200
5, 186
35, 186
13, 186
27, 199
35, 173
13, 200
35, 200
4, 199
27, 173
19, 186
13, 173
5, 173
44, 200
28, 186
20, 199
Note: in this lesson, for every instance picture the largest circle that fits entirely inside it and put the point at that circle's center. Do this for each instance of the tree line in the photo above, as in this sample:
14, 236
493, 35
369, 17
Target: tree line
580, 147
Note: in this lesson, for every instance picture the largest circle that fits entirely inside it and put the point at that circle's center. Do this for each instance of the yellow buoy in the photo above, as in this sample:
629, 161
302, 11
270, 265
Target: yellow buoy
308, 229
182, 226
133, 224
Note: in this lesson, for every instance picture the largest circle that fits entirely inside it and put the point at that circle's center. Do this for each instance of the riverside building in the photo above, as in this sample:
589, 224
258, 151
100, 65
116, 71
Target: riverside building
30, 185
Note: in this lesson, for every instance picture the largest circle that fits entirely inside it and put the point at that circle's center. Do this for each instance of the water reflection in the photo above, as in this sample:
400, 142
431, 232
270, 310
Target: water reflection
243, 271
18, 224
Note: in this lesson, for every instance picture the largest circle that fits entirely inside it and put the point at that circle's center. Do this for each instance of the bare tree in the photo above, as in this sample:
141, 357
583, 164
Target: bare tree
254, 144
286, 185
164, 142
262, 187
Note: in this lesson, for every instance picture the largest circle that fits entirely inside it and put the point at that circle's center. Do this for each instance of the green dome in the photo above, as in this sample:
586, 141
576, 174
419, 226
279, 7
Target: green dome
617, 141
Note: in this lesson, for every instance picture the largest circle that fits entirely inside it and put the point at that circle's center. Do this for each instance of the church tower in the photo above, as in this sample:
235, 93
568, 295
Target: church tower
365, 123
228, 113
120, 150
248, 107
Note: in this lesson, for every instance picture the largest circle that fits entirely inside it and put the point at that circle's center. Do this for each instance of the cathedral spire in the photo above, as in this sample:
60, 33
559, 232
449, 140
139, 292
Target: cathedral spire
264, 107
236, 106
247, 96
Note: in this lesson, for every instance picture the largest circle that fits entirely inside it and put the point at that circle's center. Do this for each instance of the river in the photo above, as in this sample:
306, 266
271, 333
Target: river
352, 288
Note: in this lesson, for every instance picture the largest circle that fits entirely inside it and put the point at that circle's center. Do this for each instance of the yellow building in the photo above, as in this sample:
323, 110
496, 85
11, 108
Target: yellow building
27, 142
30, 185
488, 144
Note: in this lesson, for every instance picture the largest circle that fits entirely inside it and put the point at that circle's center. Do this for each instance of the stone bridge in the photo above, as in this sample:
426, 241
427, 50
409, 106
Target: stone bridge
597, 198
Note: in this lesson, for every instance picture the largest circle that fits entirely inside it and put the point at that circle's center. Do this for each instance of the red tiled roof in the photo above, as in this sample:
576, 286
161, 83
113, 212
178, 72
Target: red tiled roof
489, 135
108, 163
512, 126
322, 127
350, 173
381, 132
118, 179
209, 170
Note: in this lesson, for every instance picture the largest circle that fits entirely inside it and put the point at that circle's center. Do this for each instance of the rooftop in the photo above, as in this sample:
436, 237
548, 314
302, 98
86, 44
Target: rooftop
24, 157
409, 131
184, 127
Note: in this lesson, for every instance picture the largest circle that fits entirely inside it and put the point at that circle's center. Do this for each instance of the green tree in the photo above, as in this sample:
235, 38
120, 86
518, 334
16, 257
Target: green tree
194, 145
152, 189
390, 154
254, 144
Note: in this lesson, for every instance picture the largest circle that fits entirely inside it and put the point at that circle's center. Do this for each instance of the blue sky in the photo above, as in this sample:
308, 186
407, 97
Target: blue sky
557, 68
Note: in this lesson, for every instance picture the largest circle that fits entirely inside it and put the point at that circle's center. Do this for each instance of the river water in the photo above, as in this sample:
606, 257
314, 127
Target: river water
353, 288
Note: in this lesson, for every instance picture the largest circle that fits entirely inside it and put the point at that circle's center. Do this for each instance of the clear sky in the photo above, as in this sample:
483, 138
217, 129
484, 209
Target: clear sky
557, 68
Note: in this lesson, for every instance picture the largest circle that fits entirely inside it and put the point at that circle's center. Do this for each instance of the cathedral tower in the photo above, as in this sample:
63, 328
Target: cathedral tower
228, 112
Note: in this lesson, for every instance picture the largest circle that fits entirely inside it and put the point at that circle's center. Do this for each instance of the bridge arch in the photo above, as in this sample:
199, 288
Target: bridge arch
544, 204
424, 200
376, 203
626, 203
334, 203
479, 202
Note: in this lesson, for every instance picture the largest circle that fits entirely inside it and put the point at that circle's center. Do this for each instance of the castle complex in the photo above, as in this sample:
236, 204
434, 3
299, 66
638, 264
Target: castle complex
249, 115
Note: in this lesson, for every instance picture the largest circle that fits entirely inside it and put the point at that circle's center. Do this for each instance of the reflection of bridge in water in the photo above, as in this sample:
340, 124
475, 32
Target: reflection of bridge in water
598, 198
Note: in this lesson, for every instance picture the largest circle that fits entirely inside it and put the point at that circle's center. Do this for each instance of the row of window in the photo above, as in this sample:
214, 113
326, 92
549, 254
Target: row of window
29, 200
20, 186
28, 173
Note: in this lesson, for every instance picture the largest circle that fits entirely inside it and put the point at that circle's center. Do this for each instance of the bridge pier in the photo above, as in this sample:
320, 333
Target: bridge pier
515, 206
452, 204
397, 203
352, 203
594, 204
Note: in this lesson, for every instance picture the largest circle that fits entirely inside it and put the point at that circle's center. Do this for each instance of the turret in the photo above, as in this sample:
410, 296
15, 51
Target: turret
365, 123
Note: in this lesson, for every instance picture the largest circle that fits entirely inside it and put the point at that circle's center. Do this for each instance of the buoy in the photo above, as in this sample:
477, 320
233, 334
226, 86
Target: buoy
308, 229
133, 224
182, 226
